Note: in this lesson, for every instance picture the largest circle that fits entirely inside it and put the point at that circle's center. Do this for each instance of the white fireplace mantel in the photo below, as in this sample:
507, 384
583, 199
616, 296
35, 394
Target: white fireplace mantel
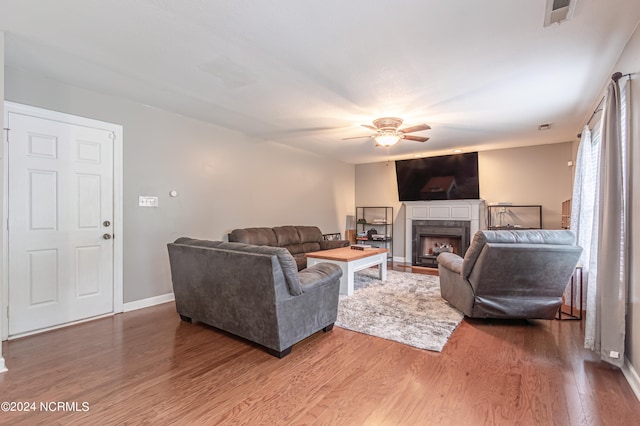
471, 210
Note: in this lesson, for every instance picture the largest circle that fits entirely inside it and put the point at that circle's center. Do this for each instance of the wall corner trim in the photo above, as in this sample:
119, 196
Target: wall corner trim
632, 377
148, 302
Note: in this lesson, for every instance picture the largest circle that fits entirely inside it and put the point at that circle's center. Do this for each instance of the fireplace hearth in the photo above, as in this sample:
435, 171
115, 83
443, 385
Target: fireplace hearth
432, 237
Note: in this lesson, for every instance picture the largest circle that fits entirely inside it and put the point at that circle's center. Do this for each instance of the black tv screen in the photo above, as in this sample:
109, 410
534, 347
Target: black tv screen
447, 177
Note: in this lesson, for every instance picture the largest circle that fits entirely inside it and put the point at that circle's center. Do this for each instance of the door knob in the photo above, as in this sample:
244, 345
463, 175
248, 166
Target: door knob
107, 236
106, 223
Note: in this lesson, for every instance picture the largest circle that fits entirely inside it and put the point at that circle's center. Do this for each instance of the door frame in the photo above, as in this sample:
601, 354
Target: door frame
117, 130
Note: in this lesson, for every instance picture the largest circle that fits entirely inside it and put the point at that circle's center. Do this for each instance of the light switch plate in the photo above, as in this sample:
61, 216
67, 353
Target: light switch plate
147, 201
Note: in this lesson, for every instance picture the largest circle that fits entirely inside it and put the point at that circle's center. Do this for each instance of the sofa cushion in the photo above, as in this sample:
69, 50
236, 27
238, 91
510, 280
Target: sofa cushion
333, 244
531, 236
474, 250
318, 275
287, 262
294, 248
301, 260
199, 243
309, 234
286, 235
256, 236
310, 247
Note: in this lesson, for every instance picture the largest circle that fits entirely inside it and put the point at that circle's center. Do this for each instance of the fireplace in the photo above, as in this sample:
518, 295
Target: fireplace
432, 237
451, 225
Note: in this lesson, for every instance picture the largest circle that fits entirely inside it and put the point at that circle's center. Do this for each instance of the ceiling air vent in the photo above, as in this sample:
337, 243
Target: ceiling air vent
558, 11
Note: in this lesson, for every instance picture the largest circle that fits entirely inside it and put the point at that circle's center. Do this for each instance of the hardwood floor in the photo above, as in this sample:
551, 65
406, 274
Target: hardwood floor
148, 367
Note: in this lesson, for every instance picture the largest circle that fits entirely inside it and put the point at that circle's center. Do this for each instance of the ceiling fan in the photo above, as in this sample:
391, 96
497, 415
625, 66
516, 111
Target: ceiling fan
388, 133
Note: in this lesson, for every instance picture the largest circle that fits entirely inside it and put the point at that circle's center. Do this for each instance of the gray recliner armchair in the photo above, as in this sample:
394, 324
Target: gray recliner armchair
254, 292
510, 274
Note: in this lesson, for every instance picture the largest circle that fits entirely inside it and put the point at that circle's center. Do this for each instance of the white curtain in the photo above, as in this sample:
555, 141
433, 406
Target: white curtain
584, 207
607, 254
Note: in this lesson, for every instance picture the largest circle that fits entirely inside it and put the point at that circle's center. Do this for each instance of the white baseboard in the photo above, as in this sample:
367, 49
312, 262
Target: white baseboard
146, 303
399, 259
632, 377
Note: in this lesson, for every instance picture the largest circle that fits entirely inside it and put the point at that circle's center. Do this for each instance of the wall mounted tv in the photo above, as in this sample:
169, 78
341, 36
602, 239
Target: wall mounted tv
447, 177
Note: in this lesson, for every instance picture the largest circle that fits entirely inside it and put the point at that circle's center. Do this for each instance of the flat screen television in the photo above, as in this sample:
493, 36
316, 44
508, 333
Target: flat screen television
446, 177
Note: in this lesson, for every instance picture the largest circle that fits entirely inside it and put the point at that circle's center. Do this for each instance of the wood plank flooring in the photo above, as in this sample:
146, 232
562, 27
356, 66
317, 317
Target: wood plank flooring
148, 367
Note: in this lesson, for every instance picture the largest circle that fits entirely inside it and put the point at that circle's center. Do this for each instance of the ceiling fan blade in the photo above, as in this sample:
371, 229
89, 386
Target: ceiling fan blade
357, 137
417, 128
415, 138
369, 127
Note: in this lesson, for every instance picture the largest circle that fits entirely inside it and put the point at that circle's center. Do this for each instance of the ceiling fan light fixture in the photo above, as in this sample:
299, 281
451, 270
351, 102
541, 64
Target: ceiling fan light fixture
387, 138
388, 133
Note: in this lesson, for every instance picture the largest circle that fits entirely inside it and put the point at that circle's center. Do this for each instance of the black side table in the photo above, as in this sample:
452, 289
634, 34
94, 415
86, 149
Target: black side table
576, 281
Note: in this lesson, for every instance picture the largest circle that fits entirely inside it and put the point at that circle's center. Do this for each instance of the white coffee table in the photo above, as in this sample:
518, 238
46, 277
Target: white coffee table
351, 261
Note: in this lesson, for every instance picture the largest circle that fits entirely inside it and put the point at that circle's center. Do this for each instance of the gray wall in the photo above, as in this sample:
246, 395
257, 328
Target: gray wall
224, 179
530, 175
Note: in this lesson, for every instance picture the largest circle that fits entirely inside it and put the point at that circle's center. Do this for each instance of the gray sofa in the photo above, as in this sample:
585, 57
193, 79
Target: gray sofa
254, 292
510, 274
299, 240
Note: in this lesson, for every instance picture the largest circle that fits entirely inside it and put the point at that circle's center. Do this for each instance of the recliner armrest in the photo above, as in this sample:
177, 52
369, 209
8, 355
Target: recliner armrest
332, 244
319, 275
451, 261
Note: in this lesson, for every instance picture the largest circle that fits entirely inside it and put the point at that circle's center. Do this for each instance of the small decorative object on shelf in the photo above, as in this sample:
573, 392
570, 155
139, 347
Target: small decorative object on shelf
375, 227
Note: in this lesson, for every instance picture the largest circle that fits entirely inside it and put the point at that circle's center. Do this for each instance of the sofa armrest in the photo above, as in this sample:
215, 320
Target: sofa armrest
451, 261
333, 244
320, 274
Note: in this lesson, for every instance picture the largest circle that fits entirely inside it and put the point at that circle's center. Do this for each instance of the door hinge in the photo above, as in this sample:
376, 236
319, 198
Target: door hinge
6, 137
112, 136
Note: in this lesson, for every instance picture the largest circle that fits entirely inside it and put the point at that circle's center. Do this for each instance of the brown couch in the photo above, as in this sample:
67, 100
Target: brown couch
299, 240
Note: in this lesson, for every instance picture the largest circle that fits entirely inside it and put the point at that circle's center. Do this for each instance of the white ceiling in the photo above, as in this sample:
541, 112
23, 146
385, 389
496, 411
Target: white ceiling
483, 74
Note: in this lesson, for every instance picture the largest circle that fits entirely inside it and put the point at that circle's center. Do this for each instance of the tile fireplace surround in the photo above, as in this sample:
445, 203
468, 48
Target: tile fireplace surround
472, 211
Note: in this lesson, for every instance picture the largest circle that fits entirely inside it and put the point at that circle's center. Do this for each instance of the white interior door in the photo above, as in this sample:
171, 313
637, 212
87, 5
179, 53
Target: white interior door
60, 224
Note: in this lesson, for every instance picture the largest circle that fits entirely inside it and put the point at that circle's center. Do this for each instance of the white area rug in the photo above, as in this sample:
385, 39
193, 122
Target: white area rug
406, 308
